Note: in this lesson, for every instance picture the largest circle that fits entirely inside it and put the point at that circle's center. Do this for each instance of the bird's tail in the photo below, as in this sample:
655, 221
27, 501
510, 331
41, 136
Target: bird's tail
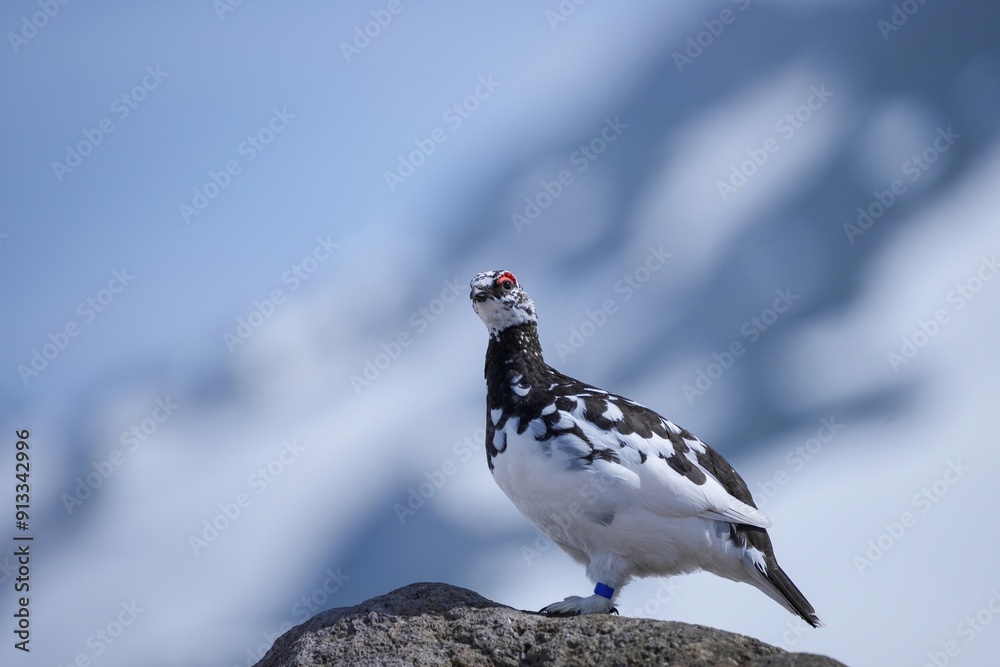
772, 580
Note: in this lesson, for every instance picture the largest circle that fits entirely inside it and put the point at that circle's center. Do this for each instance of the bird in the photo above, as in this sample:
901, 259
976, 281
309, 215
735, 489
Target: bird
622, 490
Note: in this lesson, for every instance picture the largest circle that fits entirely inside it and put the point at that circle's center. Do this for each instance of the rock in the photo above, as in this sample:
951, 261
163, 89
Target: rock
439, 624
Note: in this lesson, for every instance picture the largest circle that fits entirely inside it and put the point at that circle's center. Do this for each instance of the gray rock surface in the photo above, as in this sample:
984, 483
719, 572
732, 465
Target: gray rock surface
438, 624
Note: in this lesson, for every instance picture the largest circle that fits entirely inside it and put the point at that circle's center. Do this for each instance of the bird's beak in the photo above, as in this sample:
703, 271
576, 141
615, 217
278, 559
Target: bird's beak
478, 295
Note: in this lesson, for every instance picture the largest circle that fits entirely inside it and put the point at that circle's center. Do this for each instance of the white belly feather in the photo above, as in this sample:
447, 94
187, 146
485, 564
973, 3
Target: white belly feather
597, 509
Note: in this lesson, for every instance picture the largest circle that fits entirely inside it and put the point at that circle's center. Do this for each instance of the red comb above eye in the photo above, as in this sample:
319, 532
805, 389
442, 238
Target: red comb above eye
506, 277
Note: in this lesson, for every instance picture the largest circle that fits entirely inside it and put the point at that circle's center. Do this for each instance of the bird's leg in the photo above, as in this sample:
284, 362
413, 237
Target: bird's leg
601, 602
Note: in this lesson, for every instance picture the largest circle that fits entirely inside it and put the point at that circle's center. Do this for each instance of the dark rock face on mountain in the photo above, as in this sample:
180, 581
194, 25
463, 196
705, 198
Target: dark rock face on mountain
438, 624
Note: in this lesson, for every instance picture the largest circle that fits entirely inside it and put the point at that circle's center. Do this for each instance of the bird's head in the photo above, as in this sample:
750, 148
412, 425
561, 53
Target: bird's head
500, 302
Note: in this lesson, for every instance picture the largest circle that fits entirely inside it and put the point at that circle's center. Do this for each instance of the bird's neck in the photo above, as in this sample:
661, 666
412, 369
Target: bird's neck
514, 351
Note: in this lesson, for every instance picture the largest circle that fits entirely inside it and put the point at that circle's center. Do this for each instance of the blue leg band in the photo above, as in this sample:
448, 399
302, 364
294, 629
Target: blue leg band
604, 591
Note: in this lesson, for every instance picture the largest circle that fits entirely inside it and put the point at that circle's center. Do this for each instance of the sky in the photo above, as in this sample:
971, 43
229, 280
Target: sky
234, 258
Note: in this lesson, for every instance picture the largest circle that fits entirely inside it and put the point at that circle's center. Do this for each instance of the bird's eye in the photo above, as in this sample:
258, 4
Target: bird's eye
506, 280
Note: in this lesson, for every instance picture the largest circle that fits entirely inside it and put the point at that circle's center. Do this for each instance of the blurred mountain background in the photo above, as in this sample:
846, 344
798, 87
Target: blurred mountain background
235, 257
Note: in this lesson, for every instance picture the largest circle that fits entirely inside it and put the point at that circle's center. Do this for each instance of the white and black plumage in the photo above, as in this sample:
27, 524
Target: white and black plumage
622, 490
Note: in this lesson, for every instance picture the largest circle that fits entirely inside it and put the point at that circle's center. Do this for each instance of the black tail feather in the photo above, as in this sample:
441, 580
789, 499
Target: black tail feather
780, 584
792, 594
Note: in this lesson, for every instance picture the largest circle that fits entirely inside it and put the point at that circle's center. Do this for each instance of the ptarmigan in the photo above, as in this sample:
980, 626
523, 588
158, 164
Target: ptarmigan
622, 490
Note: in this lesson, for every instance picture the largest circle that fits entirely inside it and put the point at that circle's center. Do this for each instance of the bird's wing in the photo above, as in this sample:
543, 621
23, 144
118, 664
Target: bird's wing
664, 468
